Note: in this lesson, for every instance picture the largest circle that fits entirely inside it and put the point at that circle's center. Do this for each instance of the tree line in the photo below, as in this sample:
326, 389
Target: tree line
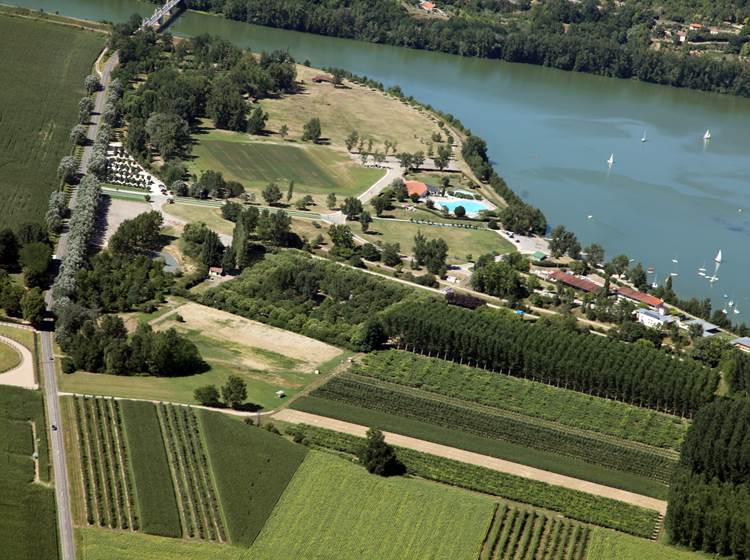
546, 352
612, 41
709, 497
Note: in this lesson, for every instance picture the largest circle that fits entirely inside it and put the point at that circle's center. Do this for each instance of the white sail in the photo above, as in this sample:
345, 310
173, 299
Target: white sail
707, 135
717, 259
611, 159
643, 139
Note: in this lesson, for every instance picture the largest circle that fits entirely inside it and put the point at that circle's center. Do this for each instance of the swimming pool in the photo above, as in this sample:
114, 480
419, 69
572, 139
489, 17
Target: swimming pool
472, 207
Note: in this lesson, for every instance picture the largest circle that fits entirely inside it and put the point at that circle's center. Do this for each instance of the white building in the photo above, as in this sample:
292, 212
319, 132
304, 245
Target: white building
654, 319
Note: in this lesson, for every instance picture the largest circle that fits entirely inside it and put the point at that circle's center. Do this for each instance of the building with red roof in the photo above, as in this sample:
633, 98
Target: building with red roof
416, 187
574, 281
639, 297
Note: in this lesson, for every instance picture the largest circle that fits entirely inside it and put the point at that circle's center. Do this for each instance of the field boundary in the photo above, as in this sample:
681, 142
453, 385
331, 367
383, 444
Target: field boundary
298, 417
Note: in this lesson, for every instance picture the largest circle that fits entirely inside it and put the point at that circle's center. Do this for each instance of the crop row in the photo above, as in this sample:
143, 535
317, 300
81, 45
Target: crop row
577, 505
187, 515
128, 475
106, 481
518, 534
487, 423
532, 398
190, 469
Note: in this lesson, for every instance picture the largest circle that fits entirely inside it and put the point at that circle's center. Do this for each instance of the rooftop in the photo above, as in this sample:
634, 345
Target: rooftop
657, 316
575, 281
709, 329
635, 295
741, 341
416, 187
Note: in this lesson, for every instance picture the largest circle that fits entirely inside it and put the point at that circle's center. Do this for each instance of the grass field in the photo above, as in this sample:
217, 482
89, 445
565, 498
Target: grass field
38, 107
342, 110
569, 408
103, 544
570, 466
267, 358
334, 509
209, 215
461, 242
154, 492
28, 524
251, 467
9, 357
315, 170
22, 336
609, 545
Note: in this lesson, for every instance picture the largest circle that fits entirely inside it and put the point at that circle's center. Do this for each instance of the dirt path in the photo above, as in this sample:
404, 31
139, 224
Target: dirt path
23, 374
297, 417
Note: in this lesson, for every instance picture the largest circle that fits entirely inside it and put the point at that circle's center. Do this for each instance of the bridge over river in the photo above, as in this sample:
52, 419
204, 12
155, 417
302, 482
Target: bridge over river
160, 15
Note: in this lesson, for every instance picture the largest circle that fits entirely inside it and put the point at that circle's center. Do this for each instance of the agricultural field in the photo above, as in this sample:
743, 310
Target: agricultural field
108, 488
200, 510
334, 509
153, 487
522, 534
609, 545
102, 544
209, 215
341, 110
251, 467
38, 107
521, 439
531, 398
267, 358
315, 170
461, 241
573, 504
9, 357
28, 526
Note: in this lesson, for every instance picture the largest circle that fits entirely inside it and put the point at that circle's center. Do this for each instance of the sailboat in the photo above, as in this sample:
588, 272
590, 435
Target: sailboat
717, 258
736, 311
650, 270
611, 160
707, 135
675, 261
644, 136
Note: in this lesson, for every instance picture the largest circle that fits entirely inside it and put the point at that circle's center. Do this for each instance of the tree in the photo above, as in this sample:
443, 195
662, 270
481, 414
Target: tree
207, 395
225, 105
274, 227
380, 203
443, 157
35, 259
212, 250
271, 194
391, 255
417, 159
594, 254
563, 241
638, 276
311, 132
331, 201
431, 253
139, 234
168, 133
85, 106
78, 134
341, 236
351, 140
498, 279
92, 83
234, 392
98, 164
405, 160
619, 264
459, 211
370, 252
33, 306
67, 169
378, 457
365, 219
290, 191
352, 208
256, 123
284, 131
8, 248
337, 77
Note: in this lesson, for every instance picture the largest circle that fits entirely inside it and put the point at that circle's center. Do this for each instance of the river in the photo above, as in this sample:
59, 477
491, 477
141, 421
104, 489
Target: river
673, 197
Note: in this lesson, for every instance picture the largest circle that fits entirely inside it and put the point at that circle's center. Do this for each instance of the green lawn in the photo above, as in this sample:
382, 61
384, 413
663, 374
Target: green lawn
461, 242
315, 170
154, 491
28, 524
9, 357
22, 336
43, 67
609, 545
334, 509
251, 468
209, 215
576, 468
104, 544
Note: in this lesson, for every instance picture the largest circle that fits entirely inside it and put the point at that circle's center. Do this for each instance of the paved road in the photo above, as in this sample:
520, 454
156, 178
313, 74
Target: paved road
62, 492
524, 471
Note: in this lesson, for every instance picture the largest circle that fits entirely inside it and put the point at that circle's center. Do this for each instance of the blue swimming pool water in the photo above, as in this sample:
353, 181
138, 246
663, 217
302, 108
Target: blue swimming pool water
471, 206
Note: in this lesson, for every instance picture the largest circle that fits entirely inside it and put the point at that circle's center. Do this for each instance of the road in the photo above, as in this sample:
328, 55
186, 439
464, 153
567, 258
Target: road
62, 492
524, 471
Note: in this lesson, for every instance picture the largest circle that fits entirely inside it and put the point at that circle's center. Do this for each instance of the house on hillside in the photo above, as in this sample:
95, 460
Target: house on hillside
215, 271
742, 343
654, 319
428, 7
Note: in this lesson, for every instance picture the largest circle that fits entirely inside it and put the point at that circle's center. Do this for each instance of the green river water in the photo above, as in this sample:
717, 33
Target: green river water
549, 135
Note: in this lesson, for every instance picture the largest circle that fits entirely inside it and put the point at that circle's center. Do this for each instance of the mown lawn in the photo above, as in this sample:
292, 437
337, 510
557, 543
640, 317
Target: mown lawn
609, 545
43, 66
251, 468
28, 524
104, 544
154, 491
22, 336
576, 468
9, 357
335, 509
315, 170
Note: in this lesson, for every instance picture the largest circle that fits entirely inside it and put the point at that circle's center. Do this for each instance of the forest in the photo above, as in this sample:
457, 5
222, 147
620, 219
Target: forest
709, 496
613, 41
633, 373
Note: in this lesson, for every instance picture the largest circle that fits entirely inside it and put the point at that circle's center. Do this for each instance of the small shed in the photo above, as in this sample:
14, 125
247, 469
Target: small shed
215, 271
538, 256
322, 78
280, 394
